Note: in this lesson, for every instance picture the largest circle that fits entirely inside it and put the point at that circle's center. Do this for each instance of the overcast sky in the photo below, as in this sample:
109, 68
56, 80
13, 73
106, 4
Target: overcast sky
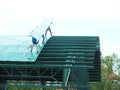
70, 17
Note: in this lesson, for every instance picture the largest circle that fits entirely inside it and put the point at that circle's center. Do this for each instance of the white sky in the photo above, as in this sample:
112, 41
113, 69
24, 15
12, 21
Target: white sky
70, 17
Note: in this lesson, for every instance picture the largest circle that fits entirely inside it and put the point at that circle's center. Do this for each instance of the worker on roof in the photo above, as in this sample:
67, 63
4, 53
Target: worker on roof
34, 43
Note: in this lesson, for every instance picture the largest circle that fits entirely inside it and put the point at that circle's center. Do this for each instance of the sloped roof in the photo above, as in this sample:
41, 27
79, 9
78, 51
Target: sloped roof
16, 49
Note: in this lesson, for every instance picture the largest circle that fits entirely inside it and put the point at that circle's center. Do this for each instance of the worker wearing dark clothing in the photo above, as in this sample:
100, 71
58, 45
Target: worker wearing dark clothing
35, 43
34, 40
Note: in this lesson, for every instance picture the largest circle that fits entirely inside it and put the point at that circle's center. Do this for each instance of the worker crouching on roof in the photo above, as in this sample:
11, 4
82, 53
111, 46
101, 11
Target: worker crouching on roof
35, 43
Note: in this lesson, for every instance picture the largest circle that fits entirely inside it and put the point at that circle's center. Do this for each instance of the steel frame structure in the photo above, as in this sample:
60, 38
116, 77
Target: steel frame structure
65, 61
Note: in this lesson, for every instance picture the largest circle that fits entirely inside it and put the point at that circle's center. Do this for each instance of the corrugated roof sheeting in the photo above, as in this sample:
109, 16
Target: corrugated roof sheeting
16, 53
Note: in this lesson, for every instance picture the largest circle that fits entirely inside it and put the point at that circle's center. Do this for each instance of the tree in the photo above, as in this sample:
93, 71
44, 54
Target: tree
110, 65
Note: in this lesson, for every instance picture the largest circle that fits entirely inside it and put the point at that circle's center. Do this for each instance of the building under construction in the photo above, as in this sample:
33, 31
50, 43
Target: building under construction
62, 62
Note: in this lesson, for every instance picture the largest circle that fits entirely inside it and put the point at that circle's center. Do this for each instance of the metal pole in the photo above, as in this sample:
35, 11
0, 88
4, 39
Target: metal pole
3, 85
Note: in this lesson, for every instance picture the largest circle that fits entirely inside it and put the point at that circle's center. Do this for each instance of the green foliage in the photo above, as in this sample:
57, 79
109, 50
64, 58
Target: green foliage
109, 65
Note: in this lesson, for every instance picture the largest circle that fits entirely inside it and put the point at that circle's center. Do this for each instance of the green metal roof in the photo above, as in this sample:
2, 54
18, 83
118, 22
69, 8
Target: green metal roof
16, 53
15, 48
73, 52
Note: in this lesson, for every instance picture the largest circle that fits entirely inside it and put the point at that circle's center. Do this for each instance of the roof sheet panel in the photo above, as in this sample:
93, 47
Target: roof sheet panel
16, 48
16, 53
